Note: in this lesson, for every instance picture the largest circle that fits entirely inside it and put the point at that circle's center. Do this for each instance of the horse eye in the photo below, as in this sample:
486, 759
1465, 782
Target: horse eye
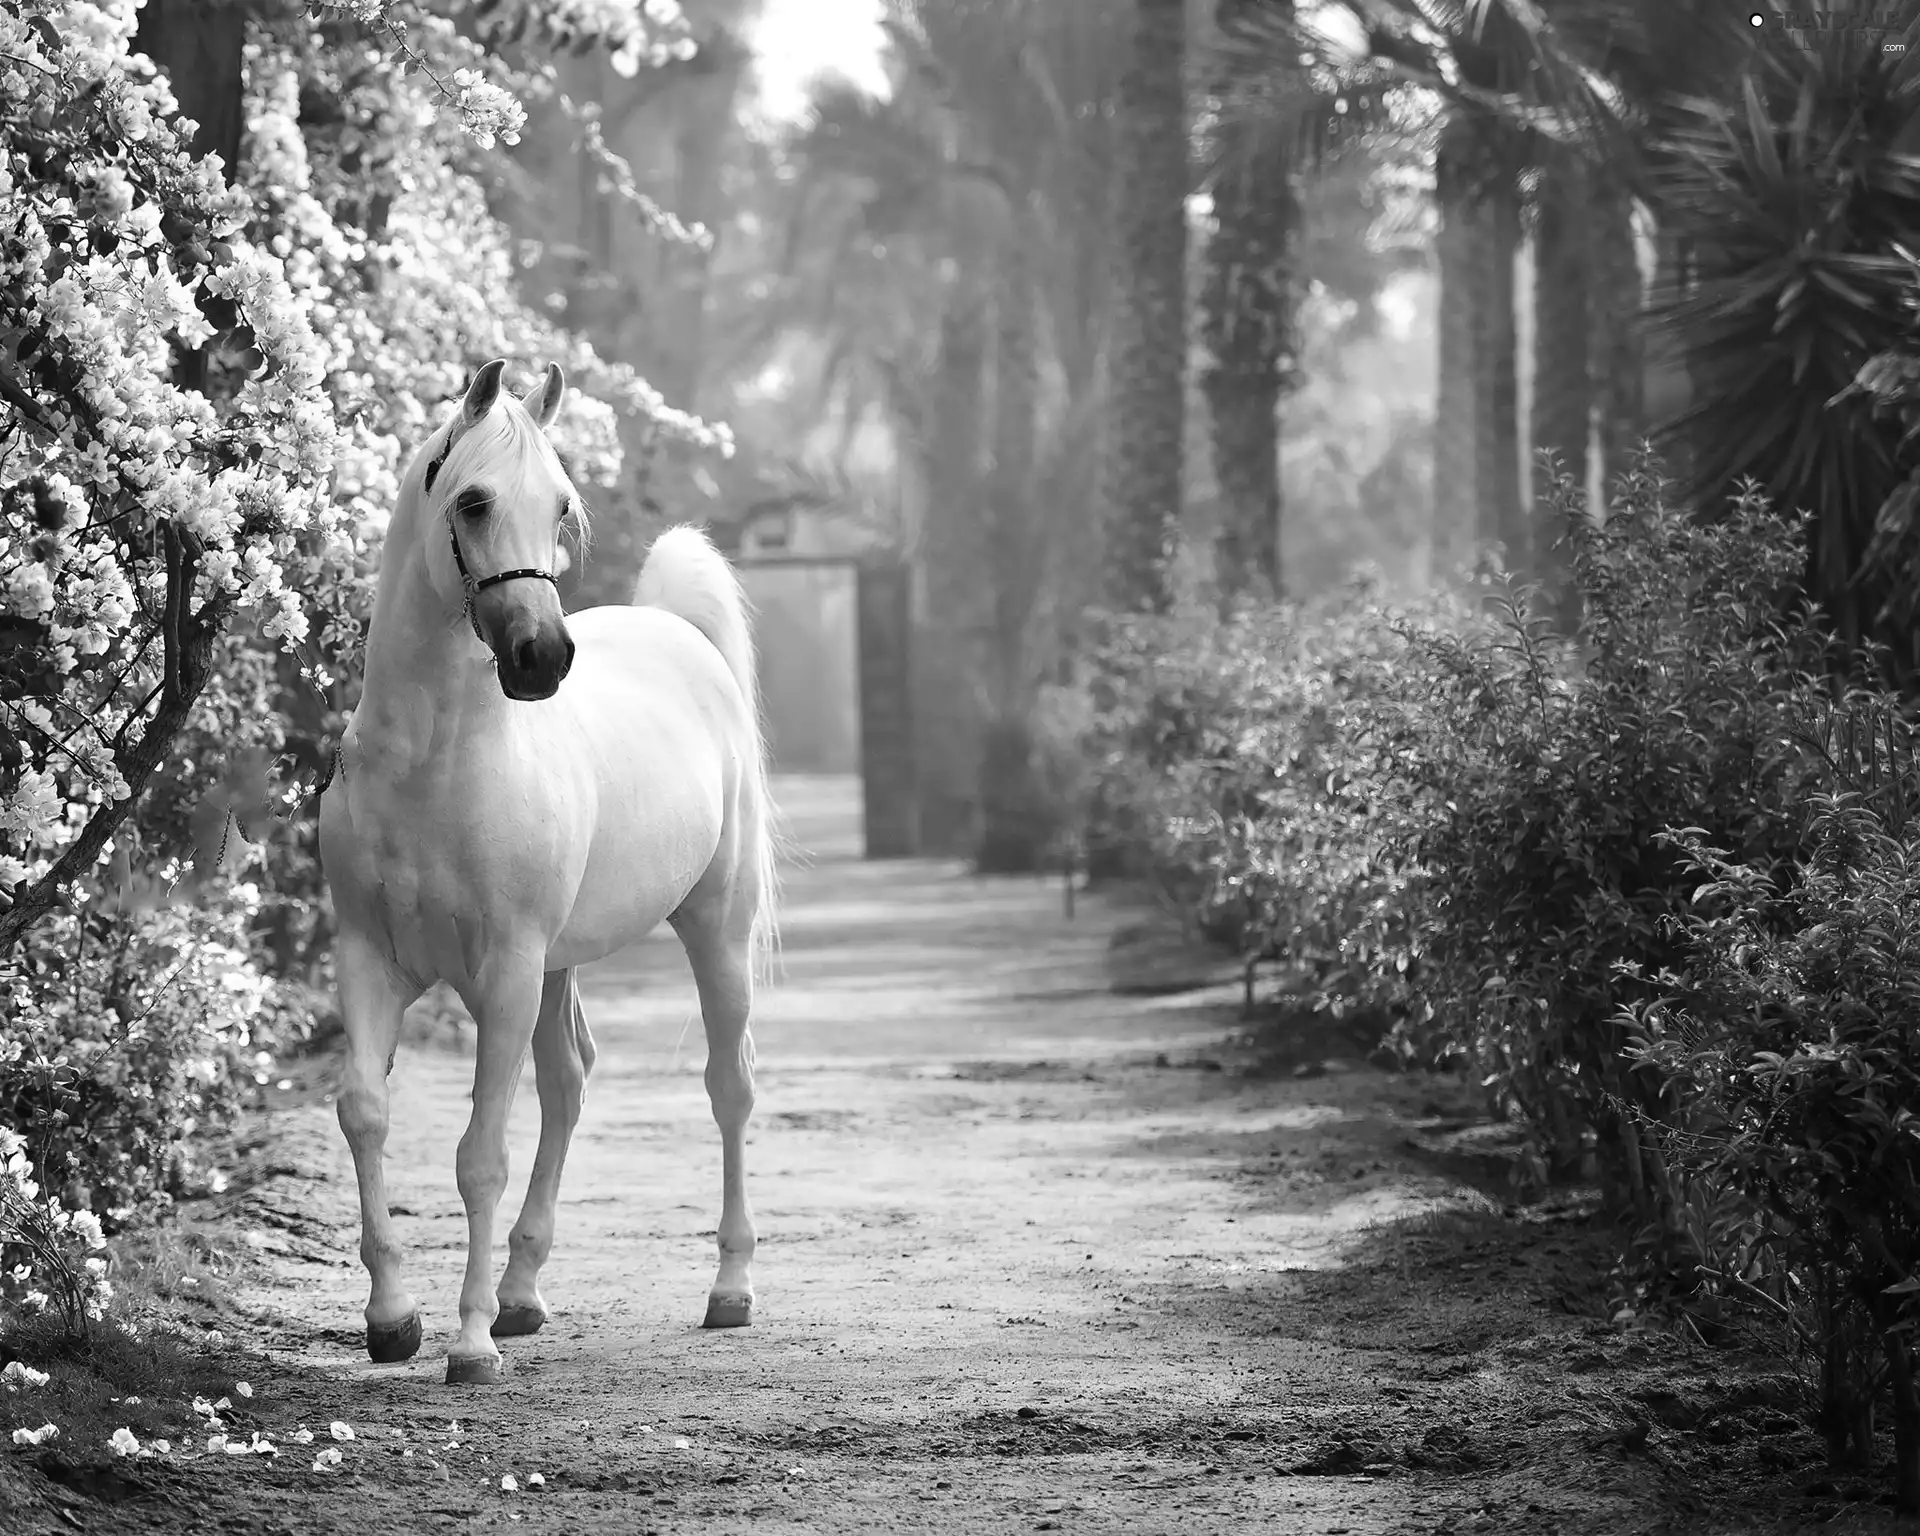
472, 503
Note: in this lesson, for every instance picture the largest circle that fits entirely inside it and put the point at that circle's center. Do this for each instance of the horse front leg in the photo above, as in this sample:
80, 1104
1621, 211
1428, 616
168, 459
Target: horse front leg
373, 1000
504, 1010
562, 1059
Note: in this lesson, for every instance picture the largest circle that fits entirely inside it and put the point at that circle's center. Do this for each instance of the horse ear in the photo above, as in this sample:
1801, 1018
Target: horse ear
483, 391
543, 400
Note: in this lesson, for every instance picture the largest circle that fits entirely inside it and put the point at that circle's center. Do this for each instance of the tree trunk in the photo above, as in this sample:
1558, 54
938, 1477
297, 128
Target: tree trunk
1013, 816
1495, 227
190, 638
1247, 324
700, 151
1618, 345
948, 728
1669, 382
1906, 1425
1562, 382
200, 46
1457, 404
1144, 453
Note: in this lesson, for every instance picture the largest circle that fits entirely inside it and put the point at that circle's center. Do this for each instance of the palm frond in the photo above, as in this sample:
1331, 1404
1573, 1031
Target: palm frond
1792, 201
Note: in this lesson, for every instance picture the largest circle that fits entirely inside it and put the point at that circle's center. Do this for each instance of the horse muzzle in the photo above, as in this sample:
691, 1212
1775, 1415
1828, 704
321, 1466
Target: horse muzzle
533, 660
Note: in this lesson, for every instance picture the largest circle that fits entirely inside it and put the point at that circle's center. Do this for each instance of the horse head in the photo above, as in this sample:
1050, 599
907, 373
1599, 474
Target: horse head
505, 497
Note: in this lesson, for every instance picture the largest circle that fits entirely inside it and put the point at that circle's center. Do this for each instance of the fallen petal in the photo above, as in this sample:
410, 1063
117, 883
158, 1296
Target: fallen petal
302, 1436
510, 1483
243, 1388
535, 1480
327, 1458
123, 1442
340, 1431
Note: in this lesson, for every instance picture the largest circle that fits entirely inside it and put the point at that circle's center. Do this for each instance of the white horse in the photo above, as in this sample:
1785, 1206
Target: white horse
493, 829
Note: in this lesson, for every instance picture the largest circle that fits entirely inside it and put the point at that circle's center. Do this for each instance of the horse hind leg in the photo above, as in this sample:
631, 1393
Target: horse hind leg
372, 1002
718, 945
562, 1060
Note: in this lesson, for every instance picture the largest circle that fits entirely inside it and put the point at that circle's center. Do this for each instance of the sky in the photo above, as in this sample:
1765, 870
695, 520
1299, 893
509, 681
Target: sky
799, 39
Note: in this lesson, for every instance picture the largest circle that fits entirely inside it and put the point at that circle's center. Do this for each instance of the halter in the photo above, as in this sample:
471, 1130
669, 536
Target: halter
469, 587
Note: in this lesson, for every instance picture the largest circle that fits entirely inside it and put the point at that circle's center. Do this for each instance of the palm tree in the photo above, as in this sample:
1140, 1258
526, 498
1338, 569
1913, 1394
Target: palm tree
1563, 375
1247, 308
1792, 203
1144, 457
1553, 112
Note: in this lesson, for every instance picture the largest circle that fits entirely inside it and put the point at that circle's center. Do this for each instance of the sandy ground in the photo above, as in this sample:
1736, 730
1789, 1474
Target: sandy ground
1032, 1256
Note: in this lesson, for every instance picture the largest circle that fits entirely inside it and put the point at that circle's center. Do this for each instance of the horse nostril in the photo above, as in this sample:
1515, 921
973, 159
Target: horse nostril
526, 656
566, 660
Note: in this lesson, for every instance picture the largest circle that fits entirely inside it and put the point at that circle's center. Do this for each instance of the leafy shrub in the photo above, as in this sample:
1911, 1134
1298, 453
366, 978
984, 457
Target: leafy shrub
130, 1038
1251, 764
1792, 1039
1544, 776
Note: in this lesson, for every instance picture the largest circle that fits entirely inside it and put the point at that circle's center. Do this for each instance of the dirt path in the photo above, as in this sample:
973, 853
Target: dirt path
1025, 1263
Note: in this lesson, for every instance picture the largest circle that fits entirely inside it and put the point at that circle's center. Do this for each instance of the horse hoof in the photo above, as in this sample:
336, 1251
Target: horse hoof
390, 1343
475, 1370
516, 1321
729, 1312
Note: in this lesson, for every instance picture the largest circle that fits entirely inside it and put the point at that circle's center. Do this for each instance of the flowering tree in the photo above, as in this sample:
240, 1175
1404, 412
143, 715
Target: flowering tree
211, 374
342, 288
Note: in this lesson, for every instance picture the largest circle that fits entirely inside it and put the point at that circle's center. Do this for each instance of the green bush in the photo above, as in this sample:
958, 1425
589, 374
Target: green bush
130, 1037
1542, 776
1502, 837
1790, 1040
1250, 766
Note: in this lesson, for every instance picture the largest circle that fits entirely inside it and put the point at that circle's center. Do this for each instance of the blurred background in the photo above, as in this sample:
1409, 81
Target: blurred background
1025, 310
907, 317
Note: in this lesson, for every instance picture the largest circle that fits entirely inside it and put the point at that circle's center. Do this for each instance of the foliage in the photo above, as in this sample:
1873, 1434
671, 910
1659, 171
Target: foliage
49, 1255
132, 1038
1791, 201
1789, 1036
1253, 765
1547, 776
187, 555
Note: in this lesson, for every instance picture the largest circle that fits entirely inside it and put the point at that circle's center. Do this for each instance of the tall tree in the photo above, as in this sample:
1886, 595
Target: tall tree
1247, 311
1564, 227
1144, 458
1799, 278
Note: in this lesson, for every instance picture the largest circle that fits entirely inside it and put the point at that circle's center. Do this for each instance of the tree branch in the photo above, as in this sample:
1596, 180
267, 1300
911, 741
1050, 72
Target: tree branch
190, 643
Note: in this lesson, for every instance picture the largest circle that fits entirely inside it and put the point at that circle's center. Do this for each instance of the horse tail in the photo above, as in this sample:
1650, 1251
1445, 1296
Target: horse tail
685, 575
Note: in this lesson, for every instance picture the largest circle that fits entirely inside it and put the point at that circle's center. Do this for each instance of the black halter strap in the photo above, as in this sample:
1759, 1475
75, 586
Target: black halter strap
469, 586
